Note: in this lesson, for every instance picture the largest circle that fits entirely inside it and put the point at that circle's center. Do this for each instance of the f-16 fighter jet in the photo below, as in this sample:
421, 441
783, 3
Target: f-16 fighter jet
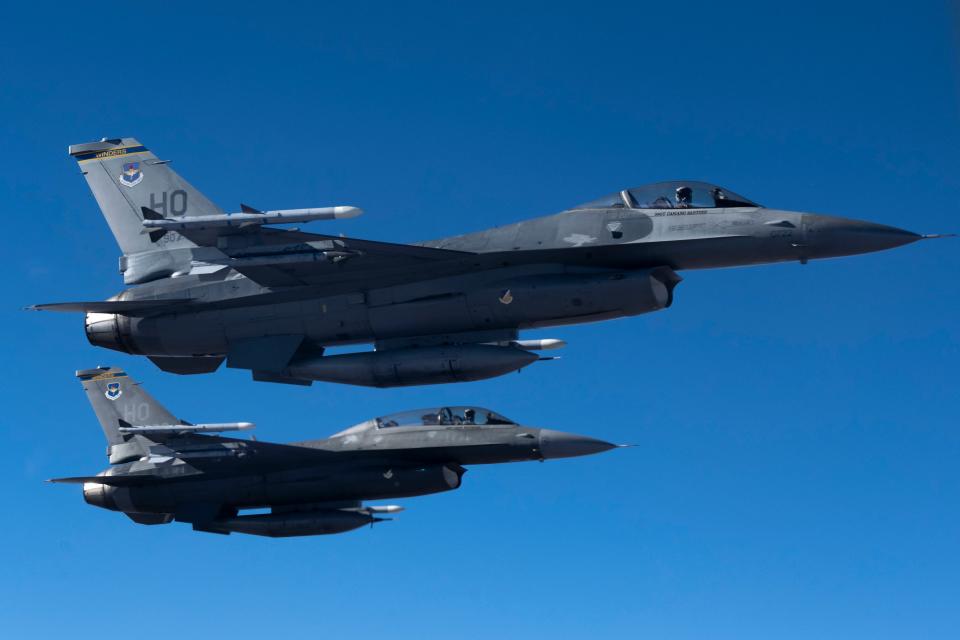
211, 286
166, 469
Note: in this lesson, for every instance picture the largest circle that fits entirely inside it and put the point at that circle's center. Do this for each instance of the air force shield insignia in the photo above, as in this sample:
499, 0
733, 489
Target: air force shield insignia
506, 297
113, 391
132, 175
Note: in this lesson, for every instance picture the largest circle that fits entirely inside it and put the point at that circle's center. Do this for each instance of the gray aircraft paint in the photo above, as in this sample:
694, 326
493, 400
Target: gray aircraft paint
448, 310
166, 469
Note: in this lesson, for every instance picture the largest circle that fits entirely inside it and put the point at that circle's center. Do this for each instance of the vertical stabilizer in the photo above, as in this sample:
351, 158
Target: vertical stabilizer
124, 177
120, 401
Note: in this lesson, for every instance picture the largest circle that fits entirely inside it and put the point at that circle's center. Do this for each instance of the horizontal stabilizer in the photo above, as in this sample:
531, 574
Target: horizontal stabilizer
113, 481
122, 307
165, 429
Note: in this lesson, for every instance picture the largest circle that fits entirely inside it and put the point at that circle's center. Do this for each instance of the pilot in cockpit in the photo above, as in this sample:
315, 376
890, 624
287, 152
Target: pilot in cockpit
684, 197
469, 416
719, 197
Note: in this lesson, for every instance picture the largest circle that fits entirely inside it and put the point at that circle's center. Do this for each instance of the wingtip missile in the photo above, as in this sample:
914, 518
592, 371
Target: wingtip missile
346, 212
542, 344
248, 217
386, 508
187, 428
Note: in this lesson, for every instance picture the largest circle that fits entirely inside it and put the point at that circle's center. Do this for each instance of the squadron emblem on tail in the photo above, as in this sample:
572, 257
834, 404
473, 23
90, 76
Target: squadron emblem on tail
132, 175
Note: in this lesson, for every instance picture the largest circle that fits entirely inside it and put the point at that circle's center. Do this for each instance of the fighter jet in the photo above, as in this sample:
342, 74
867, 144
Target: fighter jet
165, 469
210, 286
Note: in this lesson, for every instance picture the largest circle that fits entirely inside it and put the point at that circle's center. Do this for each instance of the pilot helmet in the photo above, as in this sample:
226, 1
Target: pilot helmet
684, 194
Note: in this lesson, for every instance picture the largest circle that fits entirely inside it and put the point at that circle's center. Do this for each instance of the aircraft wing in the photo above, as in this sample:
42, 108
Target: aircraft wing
284, 257
289, 258
280, 257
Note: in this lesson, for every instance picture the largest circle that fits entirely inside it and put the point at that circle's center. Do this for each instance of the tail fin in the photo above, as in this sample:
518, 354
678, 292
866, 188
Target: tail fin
120, 401
125, 176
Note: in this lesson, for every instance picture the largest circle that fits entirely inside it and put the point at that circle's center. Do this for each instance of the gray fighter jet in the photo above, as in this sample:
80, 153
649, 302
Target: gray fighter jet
212, 286
166, 469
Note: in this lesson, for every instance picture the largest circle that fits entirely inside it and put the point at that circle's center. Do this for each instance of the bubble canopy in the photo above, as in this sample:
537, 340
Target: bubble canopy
676, 194
442, 416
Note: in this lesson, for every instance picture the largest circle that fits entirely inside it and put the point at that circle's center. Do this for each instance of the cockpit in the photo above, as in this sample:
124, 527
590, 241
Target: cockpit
677, 194
443, 416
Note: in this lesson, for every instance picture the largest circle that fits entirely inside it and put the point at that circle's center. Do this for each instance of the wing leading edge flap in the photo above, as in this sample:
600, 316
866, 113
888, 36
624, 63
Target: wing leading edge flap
267, 276
396, 249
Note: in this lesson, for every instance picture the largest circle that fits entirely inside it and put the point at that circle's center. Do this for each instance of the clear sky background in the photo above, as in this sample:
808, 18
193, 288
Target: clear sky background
797, 468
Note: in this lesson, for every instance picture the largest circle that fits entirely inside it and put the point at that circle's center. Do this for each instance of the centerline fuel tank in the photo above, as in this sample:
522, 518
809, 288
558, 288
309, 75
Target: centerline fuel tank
413, 366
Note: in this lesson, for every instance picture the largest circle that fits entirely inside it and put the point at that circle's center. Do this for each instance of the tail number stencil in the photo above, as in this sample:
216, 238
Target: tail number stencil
173, 203
136, 414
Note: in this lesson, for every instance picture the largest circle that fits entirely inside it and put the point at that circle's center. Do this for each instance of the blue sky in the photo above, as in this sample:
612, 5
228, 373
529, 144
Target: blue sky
796, 474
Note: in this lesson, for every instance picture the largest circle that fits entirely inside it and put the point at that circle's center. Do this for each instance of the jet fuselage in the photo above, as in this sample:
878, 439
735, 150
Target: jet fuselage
574, 267
213, 286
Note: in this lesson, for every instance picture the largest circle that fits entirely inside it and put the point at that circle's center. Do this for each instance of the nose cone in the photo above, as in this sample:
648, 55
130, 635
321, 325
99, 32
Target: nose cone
828, 236
557, 444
